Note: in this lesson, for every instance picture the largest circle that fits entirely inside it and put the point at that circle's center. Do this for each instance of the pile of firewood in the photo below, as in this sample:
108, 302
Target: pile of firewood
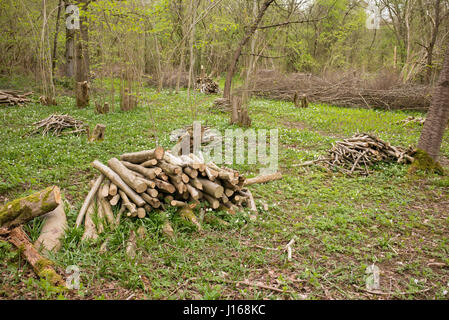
358, 153
207, 85
143, 181
13, 98
56, 124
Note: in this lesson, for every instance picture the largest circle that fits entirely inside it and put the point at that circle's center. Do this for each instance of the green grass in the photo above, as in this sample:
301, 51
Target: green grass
341, 224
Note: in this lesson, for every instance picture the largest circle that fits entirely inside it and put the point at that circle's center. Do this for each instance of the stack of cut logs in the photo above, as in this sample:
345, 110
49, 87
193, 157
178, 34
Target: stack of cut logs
142, 181
12, 97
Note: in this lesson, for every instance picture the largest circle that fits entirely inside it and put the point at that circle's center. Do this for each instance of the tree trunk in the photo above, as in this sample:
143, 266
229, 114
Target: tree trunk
22, 210
69, 49
82, 59
438, 114
238, 52
55, 40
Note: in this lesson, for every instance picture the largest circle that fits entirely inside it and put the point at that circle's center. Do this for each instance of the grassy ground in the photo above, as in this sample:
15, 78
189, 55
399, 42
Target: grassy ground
341, 224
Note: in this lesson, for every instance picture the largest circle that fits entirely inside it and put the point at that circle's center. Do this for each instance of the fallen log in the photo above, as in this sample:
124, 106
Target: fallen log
22, 210
263, 178
41, 266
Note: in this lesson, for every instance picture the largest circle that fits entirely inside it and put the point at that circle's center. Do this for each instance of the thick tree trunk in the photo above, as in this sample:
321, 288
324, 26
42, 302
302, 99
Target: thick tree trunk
438, 114
22, 210
238, 52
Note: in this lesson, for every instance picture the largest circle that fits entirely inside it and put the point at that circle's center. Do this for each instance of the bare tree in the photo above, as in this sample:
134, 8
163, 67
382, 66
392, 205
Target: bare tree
249, 33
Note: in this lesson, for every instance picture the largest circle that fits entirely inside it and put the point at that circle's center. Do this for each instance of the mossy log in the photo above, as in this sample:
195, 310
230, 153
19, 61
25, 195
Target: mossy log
22, 210
42, 267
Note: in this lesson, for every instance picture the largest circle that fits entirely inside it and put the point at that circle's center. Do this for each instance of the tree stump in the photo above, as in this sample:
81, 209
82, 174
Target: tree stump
98, 133
82, 94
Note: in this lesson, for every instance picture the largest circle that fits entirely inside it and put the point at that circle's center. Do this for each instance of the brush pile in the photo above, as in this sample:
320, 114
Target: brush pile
344, 90
13, 98
144, 181
358, 153
411, 119
56, 124
207, 85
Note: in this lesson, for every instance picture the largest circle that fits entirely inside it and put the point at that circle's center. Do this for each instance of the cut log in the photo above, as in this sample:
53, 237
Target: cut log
22, 210
141, 213
264, 178
142, 156
128, 205
165, 186
213, 202
149, 163
192, 173
105, 190
169, 168
92, 193
193, 192
115, 199
107, 210
112, 189
149, 173
90, 230
53, 230
131, 180
212, 188
153, 193
41, 266
115, 178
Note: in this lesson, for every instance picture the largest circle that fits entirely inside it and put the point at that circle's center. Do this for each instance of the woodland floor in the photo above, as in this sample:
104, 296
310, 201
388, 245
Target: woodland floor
341, 224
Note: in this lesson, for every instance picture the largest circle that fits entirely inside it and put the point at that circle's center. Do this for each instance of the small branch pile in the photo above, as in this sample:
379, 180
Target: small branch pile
411, 119
207, 85
143, 181
13, 98
357, 153
55, 124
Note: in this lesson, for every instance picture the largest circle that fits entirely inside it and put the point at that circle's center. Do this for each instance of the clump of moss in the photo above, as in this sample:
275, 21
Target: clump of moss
424, 162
